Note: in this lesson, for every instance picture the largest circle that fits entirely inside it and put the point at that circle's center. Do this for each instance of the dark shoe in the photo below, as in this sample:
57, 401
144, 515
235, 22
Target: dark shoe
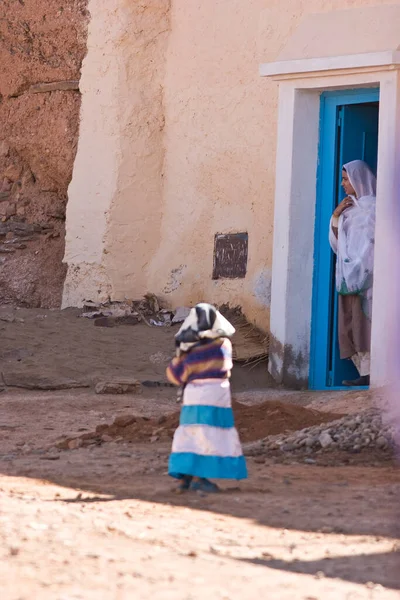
360, 382
204, 485
184, 485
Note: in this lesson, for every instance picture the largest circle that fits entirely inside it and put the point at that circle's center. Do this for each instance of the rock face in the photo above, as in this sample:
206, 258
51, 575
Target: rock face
42, 44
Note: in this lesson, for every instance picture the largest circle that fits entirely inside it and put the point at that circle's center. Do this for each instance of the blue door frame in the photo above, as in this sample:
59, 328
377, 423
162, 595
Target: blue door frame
324, 301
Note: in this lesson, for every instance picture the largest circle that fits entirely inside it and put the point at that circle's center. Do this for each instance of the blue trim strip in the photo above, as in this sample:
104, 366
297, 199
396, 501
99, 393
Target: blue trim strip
354, 95
211, 467
322, 305
207, 415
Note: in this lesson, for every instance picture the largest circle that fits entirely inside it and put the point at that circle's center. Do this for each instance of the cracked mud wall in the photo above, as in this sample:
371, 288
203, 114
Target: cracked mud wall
41, 41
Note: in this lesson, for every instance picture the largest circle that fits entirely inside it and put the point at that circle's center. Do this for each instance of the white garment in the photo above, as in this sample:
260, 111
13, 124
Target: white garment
207, 439
354, 245
206, 443
362, 361
199, 392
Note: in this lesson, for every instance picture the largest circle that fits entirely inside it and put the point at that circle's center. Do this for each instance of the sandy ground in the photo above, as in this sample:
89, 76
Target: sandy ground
62, 344
104, 522
54, 344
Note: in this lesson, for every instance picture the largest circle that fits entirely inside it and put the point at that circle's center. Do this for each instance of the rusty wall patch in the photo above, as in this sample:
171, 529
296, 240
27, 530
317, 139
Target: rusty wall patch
230, 255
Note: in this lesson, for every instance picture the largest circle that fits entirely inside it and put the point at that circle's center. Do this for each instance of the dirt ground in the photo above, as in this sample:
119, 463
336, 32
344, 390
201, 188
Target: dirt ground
104, 521
54, 344
61, 344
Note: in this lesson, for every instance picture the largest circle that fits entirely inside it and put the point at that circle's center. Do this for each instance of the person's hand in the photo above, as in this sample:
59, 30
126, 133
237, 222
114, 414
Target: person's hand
345, 203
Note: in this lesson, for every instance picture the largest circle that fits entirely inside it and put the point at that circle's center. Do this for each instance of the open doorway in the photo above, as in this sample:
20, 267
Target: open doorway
348, 131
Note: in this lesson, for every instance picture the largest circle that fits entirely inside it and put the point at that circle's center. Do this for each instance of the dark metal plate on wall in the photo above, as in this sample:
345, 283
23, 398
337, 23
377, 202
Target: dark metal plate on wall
230, 255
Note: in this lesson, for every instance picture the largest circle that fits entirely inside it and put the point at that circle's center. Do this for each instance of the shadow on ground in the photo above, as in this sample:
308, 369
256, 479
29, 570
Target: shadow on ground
381, 569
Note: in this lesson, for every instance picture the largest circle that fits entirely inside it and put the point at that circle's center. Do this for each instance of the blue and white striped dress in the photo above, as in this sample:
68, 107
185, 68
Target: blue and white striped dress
206, 443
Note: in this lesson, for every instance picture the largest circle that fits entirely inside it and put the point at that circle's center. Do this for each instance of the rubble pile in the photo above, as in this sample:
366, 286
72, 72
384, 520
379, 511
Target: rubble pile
130, 312
250, 345
352, 433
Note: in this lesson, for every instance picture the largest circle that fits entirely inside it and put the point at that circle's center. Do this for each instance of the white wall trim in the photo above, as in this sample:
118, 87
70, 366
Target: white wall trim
294, 215
295, 68
293, 247
385, 308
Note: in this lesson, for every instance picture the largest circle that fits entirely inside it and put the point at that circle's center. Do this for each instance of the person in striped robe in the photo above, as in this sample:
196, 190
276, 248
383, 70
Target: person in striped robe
206, 444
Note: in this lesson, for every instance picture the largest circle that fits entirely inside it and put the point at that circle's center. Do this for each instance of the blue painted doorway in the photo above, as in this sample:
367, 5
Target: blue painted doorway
348, 131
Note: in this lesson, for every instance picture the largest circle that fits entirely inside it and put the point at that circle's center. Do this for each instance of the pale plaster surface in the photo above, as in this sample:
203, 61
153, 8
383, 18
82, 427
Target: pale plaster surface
115, 197
295, 207
96, 164
359, 30
136, 212
178, 143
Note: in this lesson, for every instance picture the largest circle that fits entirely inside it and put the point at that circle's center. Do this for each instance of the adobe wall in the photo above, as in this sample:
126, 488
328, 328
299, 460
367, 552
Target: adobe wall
41, 41
181, 139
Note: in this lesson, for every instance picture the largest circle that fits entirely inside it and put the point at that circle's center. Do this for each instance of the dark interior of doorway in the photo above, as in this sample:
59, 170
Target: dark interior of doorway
357, 138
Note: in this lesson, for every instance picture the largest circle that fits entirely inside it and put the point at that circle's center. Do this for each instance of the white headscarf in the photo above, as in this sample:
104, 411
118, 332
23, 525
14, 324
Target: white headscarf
354, 245
361, 178
203, 322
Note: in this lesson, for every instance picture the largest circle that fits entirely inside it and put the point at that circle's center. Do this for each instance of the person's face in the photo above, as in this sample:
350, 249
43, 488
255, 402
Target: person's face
346, 185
